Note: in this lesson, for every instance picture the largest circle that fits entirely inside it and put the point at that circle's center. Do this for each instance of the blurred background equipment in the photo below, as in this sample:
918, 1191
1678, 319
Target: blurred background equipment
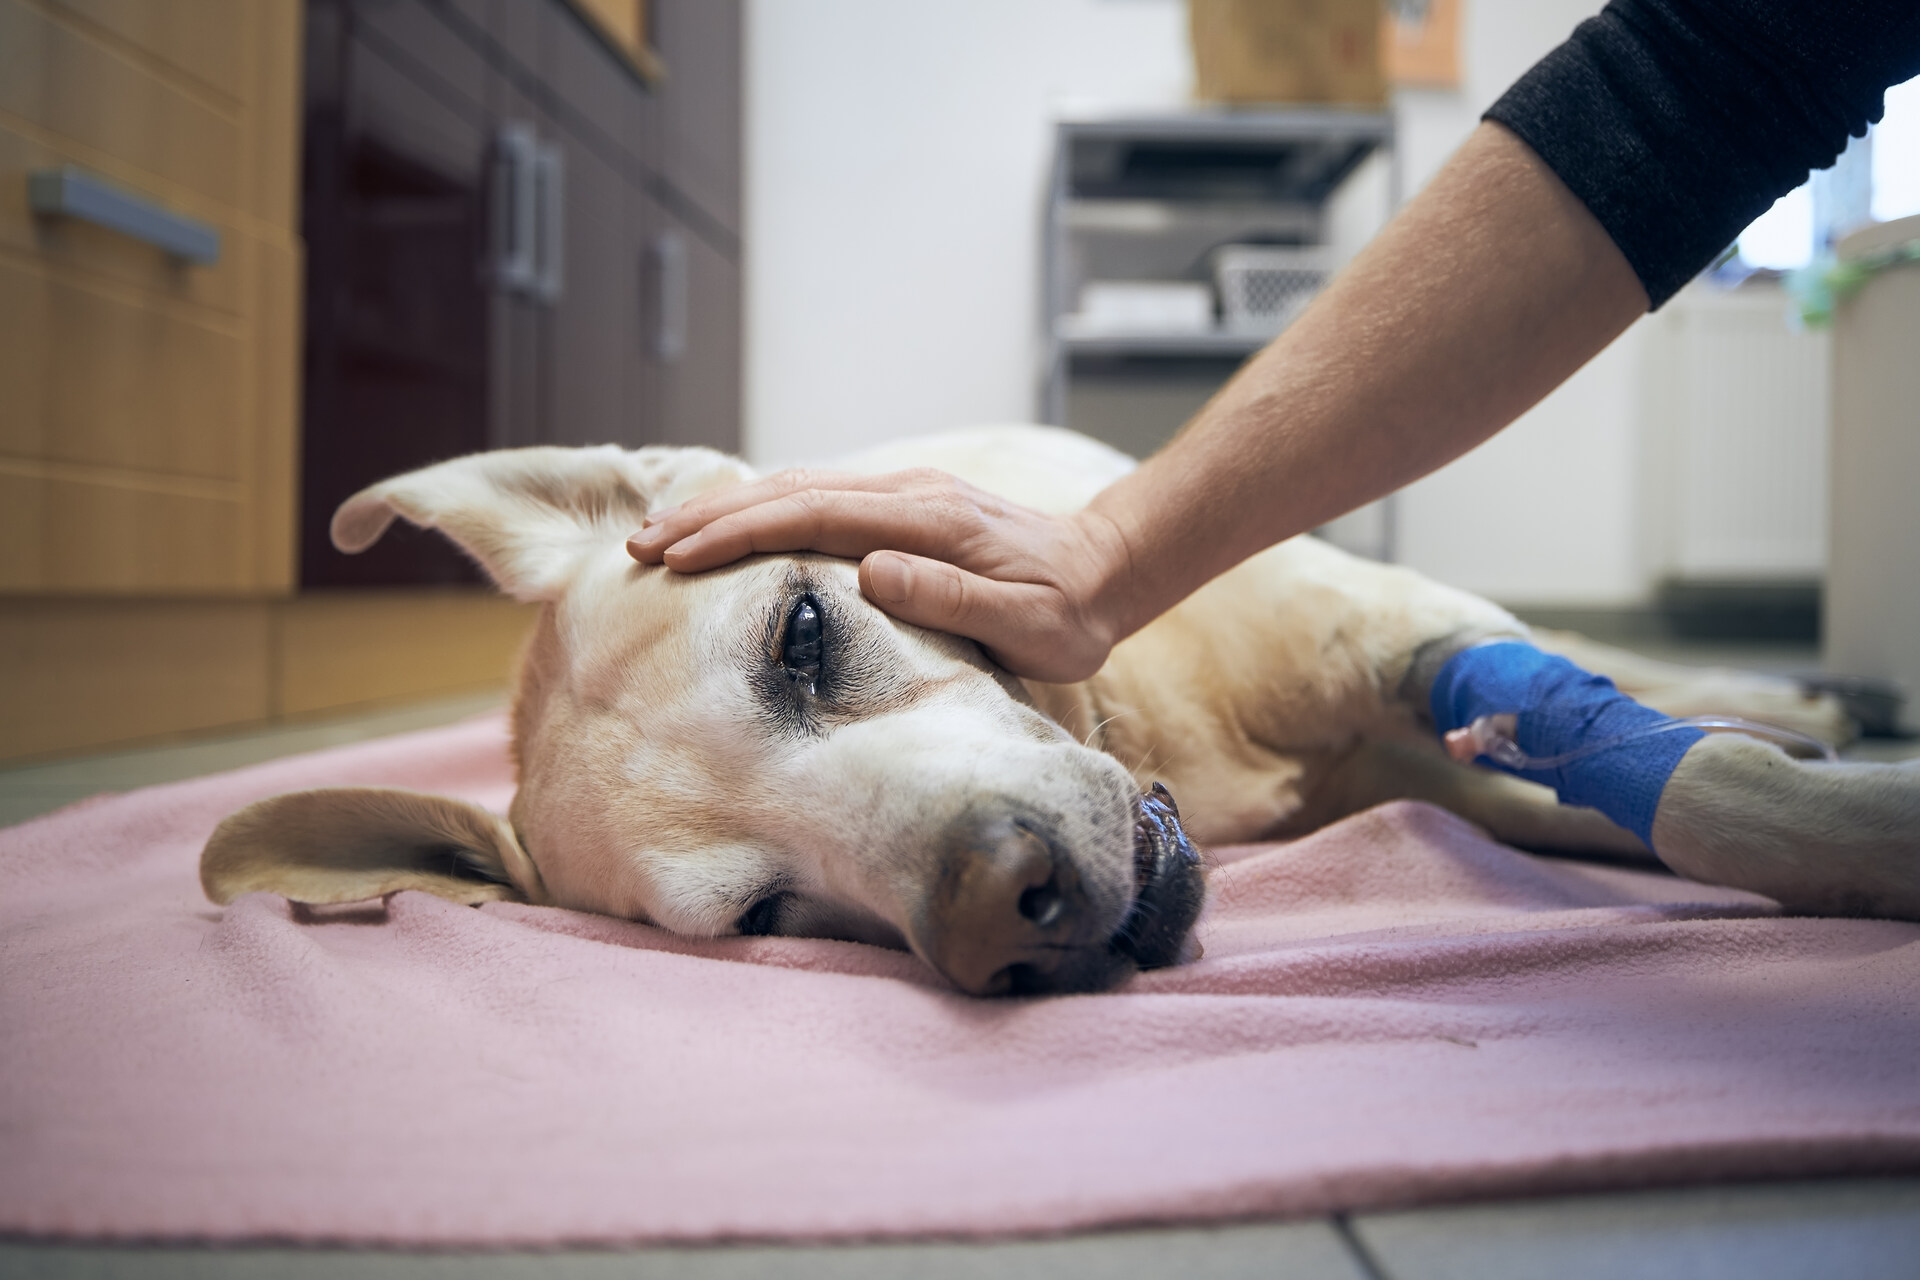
1229, 205
1873, 572
1266, 51
1227, 211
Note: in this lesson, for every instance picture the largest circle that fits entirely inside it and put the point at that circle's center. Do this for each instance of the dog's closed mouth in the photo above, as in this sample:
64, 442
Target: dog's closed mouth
1169, 885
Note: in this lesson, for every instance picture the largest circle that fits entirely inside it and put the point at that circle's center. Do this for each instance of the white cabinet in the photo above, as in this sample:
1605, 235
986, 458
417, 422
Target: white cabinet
1735, 438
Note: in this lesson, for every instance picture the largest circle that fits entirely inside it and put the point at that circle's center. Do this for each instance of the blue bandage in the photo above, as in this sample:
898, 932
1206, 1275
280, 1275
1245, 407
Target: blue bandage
1560, 708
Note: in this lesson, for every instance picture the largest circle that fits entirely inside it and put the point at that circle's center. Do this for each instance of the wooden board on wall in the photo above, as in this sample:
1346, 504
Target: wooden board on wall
78, 675
341, 649
85, 673
149, 444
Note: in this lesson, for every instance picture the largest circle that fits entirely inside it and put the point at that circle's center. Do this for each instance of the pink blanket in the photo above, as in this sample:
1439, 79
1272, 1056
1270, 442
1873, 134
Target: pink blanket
1393, 1011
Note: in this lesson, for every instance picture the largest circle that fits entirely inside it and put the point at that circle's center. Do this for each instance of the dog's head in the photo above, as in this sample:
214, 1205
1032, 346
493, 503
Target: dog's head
752, 750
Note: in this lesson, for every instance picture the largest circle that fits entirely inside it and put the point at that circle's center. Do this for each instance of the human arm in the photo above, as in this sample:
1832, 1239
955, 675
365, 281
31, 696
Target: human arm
1488, 289
1644, 144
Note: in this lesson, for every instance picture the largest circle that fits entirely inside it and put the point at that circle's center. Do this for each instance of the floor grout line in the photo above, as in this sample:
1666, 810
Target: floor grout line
1363, 1257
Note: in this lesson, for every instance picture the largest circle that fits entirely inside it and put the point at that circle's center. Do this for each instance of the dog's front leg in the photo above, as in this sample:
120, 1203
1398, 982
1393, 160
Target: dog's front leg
1832, 839
1513, 810
1728, 809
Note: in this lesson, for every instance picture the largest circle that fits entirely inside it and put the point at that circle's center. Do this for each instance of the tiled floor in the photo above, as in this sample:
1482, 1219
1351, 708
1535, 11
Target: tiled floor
1859, 1229
1866, 1228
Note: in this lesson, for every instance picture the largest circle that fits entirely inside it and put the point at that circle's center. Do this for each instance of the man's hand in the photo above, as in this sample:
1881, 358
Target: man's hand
1043, 593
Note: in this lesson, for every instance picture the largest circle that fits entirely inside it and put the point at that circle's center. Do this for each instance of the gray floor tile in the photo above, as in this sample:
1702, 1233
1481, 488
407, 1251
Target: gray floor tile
1291, 1251
1862, 1229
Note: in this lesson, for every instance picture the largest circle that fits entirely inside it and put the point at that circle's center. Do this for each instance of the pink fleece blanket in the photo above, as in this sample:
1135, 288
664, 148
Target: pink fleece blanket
1393, 1011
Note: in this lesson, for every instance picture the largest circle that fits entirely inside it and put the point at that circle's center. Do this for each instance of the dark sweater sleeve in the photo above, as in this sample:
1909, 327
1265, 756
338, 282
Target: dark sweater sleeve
1678, 122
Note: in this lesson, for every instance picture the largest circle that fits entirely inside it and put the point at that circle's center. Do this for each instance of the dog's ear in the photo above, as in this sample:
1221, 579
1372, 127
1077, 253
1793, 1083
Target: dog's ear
527, 514
347, 844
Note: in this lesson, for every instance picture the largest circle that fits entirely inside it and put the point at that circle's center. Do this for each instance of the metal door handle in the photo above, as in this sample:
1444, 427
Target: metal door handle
515, 207
670, 261
69, 192
549, 181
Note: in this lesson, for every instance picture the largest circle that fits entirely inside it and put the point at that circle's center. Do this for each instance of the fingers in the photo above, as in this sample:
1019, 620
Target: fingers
1025, 626
840, 522
668, 526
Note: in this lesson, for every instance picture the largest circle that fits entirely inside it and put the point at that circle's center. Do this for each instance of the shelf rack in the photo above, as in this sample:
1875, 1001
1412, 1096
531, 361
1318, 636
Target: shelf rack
1147, 198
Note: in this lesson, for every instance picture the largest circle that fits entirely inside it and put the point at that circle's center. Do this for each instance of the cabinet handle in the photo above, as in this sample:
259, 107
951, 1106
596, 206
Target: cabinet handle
69, 192
549, 181
670, 261
515, 208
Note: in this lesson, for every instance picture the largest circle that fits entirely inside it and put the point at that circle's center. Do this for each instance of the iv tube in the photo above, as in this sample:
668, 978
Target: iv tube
1492, 738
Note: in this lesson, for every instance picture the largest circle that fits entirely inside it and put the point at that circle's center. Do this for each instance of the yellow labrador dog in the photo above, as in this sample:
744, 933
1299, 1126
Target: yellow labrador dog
758, 750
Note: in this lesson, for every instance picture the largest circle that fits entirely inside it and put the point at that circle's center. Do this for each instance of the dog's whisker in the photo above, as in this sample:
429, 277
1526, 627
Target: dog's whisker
1091, 734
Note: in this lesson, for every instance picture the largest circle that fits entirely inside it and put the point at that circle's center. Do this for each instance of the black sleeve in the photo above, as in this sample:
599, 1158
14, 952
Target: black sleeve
1678, 122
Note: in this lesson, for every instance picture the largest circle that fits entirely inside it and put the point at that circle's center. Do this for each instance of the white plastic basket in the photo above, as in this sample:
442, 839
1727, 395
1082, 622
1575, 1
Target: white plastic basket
1263, 287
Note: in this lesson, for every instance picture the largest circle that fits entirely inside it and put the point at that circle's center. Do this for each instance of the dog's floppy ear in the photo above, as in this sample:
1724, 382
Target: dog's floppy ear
347, 844
527, 514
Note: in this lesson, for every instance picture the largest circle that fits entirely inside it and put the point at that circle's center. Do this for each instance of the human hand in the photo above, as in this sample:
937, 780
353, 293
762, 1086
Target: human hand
1041, 592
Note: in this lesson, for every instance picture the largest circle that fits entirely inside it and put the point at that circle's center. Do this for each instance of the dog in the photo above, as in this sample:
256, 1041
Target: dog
758, 750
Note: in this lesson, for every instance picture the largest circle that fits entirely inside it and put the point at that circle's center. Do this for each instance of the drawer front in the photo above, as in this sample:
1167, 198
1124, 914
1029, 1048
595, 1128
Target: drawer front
88, 533
75, 82
147, 441
110, 255
101, 375
202, 42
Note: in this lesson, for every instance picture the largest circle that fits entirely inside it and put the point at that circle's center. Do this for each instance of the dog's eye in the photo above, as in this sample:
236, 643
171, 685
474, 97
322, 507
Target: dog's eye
760, 919
805, 640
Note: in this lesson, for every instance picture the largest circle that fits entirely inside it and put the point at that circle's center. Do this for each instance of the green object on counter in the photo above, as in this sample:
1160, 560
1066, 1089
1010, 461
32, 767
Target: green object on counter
1826, 282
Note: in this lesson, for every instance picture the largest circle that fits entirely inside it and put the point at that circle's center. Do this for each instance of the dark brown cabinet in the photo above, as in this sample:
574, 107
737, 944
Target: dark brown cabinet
513, 239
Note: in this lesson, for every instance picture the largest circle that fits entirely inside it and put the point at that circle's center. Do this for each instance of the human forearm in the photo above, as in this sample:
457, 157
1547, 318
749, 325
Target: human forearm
1491, 287
1488, 290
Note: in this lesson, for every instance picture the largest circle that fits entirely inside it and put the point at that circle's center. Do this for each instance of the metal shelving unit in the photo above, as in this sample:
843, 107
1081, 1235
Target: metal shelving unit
1148, 199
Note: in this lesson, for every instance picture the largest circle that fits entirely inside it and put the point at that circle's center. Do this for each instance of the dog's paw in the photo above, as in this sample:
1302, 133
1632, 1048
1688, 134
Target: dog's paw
1830, 839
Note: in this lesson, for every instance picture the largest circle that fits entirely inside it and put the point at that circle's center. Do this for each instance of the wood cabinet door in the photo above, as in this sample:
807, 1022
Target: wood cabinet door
397, 163
701, 43
421, 343
599, 383
146, 443
695, 304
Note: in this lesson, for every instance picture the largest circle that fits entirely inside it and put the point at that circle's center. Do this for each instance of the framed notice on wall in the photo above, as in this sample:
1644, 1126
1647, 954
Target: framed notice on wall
1420, 43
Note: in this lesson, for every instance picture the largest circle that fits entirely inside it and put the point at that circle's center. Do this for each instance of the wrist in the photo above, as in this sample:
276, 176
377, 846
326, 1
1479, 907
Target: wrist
1110, 591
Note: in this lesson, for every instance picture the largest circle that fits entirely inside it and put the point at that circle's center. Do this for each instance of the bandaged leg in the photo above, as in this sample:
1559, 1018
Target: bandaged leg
1559, 710
1722, 808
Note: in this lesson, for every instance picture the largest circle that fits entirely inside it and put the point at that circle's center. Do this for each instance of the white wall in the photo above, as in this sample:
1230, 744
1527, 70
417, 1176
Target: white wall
896, 155
1547, 511
896, 159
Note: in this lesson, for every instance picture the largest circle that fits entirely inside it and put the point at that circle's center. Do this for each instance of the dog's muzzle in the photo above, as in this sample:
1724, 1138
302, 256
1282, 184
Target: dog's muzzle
1169, 885
1011, 915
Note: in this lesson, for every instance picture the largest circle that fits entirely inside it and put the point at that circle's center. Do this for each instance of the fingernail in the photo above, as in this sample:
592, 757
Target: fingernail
890, 578
655, 517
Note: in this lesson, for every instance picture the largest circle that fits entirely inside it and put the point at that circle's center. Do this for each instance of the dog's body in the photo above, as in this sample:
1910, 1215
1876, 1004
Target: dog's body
758, 749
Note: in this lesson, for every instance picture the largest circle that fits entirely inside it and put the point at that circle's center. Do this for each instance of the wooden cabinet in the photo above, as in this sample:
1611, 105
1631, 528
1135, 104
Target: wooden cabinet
147, 404
428, 334
176, 434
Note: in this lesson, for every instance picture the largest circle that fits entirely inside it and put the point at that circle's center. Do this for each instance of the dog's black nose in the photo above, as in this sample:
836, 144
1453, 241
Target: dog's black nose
1009, 916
